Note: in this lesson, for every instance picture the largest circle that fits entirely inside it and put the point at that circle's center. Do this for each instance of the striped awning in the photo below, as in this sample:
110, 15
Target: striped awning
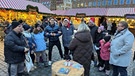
120, 11
97, 11
22, 4
59, 12
87, 11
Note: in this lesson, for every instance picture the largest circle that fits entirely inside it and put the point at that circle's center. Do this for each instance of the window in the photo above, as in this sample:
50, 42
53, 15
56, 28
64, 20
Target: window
90, 3
99, 3
109, 2
121, 2
104, 3
94, 3
115, 2
133, 1
128, 1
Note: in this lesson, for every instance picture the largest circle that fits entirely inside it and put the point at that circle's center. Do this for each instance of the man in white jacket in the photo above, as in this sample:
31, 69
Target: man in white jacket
120, 50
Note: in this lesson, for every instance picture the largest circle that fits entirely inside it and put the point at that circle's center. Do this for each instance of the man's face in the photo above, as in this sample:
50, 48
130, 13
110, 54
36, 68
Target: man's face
52, 21
90, 24
120, 27
65, 23
19, 28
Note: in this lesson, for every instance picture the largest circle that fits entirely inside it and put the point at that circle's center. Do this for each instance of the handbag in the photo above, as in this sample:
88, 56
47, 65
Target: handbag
28, 62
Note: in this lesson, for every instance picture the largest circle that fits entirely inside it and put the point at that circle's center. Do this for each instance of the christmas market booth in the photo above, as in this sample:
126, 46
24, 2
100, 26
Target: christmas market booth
28, 11
111, 14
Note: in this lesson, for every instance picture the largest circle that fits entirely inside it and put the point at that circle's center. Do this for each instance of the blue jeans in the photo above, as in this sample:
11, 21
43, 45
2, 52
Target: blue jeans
119, 69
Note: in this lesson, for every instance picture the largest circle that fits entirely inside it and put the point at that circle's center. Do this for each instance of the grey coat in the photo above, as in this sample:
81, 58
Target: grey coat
67, 34
120, 51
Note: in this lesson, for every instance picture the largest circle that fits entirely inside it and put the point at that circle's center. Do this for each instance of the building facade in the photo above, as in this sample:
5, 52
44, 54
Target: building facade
102, 3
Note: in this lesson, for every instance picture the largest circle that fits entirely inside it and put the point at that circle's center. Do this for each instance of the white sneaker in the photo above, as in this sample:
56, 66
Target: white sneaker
50, 63
107, 72
101, 68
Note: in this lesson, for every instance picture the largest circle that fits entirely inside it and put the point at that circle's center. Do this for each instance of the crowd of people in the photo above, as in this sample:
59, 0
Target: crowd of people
113, 47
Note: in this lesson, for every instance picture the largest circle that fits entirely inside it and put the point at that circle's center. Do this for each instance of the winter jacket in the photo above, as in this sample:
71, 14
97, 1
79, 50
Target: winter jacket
98, 37
52, 29
30, 40
67, 34
14, 48
104, 51
93, 30
82, 47
121, 45
40, 41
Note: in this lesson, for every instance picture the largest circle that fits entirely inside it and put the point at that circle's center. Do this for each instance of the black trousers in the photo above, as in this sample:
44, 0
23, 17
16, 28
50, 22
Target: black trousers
51, 44
66, 52
106, 63
32, 57
99, 58
119, 69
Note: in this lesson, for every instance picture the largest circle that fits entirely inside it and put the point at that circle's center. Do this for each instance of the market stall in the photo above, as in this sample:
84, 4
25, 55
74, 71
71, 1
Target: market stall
28, 11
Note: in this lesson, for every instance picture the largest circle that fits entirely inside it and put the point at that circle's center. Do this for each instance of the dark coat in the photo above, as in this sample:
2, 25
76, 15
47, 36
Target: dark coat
82, 47
52, 29
14, 48
98, 37
93, 30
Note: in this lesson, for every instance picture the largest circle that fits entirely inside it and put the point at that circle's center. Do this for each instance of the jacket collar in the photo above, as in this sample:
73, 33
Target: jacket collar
118, 34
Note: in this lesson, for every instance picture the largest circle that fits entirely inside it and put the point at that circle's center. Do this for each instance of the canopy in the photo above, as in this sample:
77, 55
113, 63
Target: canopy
22, 4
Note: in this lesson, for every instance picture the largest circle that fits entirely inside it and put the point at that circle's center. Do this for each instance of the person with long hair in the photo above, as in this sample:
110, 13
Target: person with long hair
38, 36
82, 46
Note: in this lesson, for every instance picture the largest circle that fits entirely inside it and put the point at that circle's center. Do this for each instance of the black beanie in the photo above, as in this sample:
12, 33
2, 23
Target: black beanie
107, 38
26, 27
37, 25
15, 24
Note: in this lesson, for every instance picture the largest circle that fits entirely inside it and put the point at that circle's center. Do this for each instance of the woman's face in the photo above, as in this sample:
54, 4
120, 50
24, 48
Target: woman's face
99, 30
38, 28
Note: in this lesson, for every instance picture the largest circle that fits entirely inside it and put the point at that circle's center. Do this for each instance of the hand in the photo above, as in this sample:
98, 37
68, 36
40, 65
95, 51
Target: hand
32, 52
54, 34
51, 34
26, 50
59, 31
47, 33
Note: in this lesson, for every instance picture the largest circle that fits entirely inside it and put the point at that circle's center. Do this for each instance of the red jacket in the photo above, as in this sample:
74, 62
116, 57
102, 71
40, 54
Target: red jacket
104, 51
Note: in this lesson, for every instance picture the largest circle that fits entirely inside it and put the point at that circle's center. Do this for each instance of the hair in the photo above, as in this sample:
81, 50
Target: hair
83, 27
35, 30
124, 24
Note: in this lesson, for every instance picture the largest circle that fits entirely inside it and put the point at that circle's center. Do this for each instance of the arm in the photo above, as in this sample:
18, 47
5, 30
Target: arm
46, 32
16, 48
72, 45
128, 42
59, 33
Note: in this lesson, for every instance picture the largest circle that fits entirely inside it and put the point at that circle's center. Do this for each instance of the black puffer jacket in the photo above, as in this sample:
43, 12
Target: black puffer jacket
14, 48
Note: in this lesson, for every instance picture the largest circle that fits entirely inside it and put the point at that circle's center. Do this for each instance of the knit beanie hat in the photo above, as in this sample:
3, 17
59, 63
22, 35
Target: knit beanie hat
107, 38
15, 24
26, 27
37, 25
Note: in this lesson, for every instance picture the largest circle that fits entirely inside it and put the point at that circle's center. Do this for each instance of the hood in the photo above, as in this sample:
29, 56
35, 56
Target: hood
83, 36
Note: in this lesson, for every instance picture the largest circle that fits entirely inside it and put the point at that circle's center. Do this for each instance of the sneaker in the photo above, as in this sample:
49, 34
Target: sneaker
107, 72
50, 63
101, 68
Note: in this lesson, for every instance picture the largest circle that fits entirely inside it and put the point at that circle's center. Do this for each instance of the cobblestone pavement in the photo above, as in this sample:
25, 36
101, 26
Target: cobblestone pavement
46, 71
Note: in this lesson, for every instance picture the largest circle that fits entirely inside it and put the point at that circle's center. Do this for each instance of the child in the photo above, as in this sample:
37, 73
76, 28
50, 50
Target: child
105, 54
30, 40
